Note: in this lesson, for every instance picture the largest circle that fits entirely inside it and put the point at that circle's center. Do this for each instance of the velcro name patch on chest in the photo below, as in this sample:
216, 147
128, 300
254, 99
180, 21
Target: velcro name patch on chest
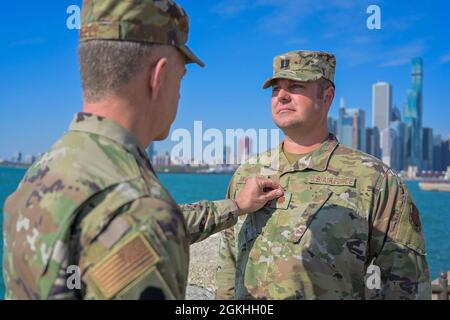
124, 265
332, 181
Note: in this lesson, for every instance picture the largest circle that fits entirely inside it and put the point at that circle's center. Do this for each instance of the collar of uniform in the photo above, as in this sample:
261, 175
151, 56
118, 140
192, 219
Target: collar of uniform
88, 122
318, 160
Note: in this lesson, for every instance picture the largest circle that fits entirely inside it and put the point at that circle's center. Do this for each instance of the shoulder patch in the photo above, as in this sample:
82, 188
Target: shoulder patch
414, 218
124, 265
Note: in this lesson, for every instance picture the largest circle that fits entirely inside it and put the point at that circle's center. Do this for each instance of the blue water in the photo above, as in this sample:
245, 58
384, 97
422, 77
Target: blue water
434, 208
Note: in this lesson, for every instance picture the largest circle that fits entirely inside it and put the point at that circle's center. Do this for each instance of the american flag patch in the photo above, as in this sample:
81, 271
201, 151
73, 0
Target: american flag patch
124, 265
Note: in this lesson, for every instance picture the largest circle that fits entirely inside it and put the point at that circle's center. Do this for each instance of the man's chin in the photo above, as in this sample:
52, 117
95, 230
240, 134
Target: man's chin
162, 136
287, 125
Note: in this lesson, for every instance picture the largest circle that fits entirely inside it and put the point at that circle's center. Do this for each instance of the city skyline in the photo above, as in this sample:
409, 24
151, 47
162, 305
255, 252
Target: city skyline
41, 89
399, 139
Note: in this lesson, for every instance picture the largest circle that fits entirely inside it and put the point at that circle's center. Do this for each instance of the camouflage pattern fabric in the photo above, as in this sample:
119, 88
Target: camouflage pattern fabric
303, 65
151, 21
342, 212
94, 201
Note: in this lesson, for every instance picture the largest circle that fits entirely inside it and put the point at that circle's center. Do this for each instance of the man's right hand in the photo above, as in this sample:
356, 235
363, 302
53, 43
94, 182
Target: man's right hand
256, 193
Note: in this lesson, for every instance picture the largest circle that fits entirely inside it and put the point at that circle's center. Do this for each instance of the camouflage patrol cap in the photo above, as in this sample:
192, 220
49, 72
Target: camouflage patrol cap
152, 21
303, 66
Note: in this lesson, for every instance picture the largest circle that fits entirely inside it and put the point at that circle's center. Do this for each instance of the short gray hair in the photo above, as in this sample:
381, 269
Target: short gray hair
107, 65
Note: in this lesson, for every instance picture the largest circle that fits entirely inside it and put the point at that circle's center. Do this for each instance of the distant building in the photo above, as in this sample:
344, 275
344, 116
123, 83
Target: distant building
332, 126
438, 154
29, 159
396, 115
413, 114
381, 105
387, 146
392, 145
427, 149
446, 152
373, 142
227, 156
411, 172
162, 160
244, 149
17, 157
351, 128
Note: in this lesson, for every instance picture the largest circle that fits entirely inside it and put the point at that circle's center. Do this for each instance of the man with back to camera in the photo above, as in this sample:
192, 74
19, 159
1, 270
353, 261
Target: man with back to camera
93, 203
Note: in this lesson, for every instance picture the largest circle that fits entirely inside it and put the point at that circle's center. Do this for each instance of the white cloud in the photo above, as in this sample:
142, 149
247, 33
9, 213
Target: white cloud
403, 54
231, 8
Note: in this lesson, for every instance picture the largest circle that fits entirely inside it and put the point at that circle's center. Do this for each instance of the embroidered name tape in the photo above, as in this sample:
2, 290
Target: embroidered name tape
333, 181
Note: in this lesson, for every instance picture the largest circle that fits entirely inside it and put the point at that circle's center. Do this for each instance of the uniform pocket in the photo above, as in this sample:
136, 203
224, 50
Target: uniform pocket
252, 227
307, 215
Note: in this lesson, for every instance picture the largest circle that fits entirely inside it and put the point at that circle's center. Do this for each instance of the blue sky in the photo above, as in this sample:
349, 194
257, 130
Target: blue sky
40, 88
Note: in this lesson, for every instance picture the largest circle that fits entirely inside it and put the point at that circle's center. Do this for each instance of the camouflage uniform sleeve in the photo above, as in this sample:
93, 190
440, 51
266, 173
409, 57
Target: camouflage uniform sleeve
397, 244
205, 218
226, 270
141, 254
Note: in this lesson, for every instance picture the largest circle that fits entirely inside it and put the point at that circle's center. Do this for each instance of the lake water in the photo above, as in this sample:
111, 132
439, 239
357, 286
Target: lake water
434, 208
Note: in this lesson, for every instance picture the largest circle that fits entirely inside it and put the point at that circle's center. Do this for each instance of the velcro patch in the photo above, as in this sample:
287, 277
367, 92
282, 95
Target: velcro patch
124, 265
116, 229
333, 181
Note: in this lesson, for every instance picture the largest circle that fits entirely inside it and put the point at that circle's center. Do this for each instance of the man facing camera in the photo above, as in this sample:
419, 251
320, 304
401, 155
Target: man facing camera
342, 212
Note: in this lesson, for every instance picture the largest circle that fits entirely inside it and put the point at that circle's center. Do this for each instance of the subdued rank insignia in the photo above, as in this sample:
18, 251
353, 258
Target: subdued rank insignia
281, 202
333, 181
284, 64
414, 218
124, 265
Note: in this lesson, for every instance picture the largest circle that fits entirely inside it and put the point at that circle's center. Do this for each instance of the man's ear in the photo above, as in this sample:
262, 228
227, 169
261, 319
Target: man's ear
157, 77
329, 95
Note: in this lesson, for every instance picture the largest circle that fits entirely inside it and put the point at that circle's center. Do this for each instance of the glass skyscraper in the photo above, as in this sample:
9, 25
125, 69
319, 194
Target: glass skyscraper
351, 128
413, 115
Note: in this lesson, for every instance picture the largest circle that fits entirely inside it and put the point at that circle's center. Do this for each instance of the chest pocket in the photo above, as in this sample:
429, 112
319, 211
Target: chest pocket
307, 215
255, 223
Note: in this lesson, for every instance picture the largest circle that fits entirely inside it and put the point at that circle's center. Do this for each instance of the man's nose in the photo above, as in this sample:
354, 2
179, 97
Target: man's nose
283, 96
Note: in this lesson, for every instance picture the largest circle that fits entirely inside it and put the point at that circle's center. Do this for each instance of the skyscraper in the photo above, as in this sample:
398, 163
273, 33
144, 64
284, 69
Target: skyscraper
398, 145
413, 114
351, 128
332, 125
427, 149
438, 164
381, 105
373, 142
244, 149
446, 152
395, 114
17, 157
387, 146
227, 155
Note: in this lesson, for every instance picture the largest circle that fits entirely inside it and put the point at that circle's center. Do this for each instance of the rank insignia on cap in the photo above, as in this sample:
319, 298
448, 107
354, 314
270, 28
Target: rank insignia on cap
284, 64
124, 265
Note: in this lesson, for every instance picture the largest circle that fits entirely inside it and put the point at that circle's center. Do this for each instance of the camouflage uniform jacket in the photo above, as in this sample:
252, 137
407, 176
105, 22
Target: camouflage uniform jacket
93, 206
342, 211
